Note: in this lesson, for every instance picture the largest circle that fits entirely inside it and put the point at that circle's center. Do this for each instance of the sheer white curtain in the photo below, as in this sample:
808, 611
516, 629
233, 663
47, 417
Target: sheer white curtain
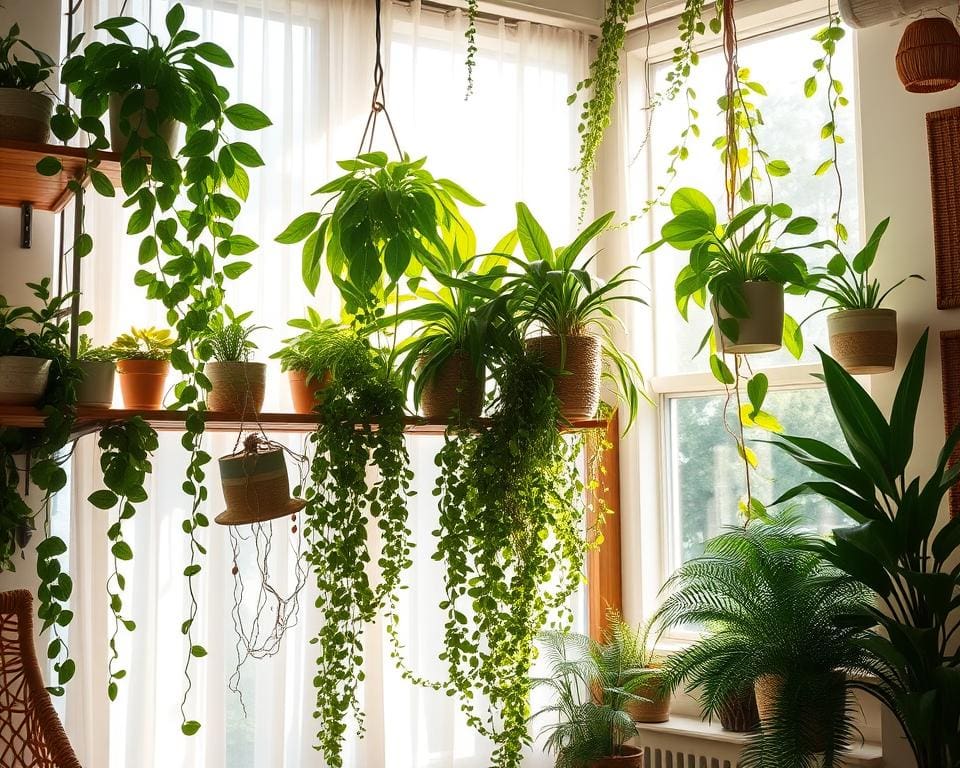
308, 65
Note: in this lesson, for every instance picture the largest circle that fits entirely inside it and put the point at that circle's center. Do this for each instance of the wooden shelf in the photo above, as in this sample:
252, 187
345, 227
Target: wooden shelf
92, 419
21, 183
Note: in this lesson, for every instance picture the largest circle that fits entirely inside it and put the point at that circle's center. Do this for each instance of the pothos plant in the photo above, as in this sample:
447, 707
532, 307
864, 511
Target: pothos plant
183, 202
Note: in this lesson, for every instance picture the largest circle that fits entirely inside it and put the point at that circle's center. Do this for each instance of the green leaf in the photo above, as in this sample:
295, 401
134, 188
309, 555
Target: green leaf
903, 414
757, 392
214, 54
792, 336
721, 371
236, 268
245, 154
103, 499
247, 117
122, 551
690, 199
174, 19
823, 167
534, 241
49, 166
810, 87
190, 727
802, 225
198, 651
83, 245
778, 168
102, 183
299, 228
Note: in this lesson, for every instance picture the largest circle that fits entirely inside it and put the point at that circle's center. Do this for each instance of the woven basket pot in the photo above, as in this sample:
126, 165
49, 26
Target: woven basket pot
168, 130
24, 115
739, 712
304, 393
762, 329
632, 757
576, 361
23, 380
96, 387
864, 341
455, 388
256, 488
143, 383
816, 722
928, 58
657, 709
238, 387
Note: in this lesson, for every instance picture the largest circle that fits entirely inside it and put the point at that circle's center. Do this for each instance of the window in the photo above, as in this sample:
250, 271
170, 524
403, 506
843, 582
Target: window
698, 477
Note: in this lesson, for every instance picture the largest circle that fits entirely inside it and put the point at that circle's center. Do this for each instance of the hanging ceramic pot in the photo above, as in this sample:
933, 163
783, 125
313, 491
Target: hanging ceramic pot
761, 329
168, 131
864, 341
255, 485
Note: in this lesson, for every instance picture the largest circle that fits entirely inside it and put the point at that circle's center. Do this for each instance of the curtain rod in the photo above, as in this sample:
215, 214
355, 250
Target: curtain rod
442, 8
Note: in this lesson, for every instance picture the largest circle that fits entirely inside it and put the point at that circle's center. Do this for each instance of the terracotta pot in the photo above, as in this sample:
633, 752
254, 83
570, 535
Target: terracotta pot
96, 387
455, 387
762, 329
632, 757
168, 130
864, 340
739, 712
238, 387
657, 709
577, 363
25, 115
255, 487
23, 380
816, 722
305, 393
143, 383
928, 57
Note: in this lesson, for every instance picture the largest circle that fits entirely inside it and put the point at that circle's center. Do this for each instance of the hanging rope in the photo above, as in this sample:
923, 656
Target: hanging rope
730, 56
378, 104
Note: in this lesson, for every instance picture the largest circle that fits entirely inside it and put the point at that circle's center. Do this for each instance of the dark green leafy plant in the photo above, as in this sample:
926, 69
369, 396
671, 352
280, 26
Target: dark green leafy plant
895, 550
471, 36
125, 451
88, 353
387, 218
361, 428
318, 349
229, 335
773, 607
591, 684
21, 73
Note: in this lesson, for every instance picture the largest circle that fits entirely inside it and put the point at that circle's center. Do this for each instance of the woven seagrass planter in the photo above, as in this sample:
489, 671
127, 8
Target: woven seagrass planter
739, 712
24, 115
238, 387
454, 388
632, 757
816, 720
928, 57
168, 131
23, 380
576, 361
762, 329
255, 485
657, 708
864, 341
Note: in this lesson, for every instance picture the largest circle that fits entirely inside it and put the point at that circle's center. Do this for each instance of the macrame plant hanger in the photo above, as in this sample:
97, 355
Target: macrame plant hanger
378, 103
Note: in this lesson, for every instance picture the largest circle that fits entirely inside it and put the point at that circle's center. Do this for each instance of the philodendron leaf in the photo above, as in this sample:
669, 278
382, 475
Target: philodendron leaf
721, 371
299, 228
757, 392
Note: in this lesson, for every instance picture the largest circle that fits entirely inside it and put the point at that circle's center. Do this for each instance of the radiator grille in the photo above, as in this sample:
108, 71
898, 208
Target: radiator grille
667, 758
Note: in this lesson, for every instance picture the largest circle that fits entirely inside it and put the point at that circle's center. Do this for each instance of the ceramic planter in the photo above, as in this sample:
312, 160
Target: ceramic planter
168, 130
143, 383
305, 393
632, 757
864, 341
455, 387
96, 387
657, 709
576, 361
23, 380
255, 487
238, 387
25, 115
762, 329
816, 720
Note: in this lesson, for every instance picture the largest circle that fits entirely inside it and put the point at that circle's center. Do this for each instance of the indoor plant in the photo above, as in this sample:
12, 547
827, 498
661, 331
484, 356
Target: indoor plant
633, 646
237, 385
98, 368
143, 361
592, 687
741, 268
24, 111
568, 316
780, 618
863, 334
26, 356
896, 550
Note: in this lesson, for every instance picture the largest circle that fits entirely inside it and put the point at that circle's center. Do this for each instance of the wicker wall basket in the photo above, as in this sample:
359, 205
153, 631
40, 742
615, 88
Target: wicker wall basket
255, 485
928, 59
950, 380
943, 145
576, 360
455, 387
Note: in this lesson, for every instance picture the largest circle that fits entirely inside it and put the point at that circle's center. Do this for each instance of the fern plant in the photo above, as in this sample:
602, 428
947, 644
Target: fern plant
775, 608
228, 337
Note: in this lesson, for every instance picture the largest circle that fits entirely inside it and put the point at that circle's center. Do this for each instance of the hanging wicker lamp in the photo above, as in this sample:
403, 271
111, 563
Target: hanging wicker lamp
255, 485
928, 59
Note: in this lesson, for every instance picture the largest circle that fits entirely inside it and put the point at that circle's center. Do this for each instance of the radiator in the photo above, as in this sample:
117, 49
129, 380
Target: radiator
684, 757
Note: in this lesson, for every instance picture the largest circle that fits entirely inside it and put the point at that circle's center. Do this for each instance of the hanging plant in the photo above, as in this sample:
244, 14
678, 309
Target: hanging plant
471, 36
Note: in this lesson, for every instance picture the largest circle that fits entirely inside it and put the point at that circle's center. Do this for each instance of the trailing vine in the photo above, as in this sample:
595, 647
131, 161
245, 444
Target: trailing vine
361, 427
471, 36
125, 461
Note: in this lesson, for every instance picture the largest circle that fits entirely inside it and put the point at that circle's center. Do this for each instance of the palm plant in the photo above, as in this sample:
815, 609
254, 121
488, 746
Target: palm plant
779, 614
591, 685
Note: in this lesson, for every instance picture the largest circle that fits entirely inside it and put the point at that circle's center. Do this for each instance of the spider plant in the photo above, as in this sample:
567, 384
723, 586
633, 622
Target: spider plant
590, 686
554, 293
320, 347
228, 336
776, 611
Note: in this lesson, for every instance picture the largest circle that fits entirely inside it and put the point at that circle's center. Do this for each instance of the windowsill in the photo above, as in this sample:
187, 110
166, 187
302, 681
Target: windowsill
867, 754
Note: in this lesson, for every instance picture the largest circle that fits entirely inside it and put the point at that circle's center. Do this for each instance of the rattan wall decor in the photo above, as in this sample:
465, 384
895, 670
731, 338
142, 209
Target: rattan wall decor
950, 378
943, 143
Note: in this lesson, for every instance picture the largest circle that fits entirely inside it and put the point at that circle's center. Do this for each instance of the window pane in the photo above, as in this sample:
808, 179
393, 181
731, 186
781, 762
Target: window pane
704, 476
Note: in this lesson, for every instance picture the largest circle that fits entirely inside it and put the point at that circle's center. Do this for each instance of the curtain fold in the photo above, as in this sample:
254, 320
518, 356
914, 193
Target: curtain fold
308, 66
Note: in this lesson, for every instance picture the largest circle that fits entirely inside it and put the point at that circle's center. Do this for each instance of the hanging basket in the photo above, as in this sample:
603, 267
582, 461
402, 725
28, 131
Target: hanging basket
576, 363
864, 341
454, 388
928, 58
255, 485
762, 328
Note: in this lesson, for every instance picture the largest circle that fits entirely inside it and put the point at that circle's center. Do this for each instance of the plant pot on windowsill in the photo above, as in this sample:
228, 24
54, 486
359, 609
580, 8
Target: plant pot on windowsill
576, 361
632, 757
818, 715
453, 387
143, 383
864, 341
23, 380
168, 131
739, 712
238, 387
657, 707
304, 389
25, 115
761, 328
96, 385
